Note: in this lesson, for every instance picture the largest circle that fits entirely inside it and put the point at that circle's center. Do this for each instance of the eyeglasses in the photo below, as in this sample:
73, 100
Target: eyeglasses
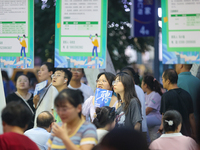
115, 82
76, 70
103, 81
56, 75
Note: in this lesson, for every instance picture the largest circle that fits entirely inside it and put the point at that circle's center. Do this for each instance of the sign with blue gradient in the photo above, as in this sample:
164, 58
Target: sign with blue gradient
102, 97
143, 18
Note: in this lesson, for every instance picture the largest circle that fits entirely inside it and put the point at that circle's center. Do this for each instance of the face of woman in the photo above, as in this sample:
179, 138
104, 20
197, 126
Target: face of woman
68, 112
22, 83
103, 83
143, 86
118, 86
44, 73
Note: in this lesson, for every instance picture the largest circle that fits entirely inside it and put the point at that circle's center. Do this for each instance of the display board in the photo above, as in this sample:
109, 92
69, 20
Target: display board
80, 34
181, 31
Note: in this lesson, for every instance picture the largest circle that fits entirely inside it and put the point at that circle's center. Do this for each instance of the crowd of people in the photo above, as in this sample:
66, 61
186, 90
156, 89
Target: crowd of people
63, 115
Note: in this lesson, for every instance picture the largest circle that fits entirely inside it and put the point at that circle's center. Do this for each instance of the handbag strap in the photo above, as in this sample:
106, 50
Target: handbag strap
43, 97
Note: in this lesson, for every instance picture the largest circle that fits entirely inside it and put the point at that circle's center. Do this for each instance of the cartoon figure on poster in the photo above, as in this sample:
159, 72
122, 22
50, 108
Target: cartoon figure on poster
96, 45
102, 97
23, 43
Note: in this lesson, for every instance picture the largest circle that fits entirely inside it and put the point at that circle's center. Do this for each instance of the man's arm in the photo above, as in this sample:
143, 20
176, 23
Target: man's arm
160, 130
193, 125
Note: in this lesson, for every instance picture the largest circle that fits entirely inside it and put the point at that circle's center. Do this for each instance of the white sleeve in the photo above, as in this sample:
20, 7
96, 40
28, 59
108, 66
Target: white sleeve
53, 96
86, 106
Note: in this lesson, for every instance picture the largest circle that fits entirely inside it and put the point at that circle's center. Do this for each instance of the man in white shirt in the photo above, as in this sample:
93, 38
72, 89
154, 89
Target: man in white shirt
61, 78
41, 133
75, 83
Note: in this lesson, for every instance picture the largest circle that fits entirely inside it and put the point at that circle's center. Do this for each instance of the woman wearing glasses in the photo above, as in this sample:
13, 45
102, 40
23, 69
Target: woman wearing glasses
104, 121
104, 81
129, 113
73, 133
44, 100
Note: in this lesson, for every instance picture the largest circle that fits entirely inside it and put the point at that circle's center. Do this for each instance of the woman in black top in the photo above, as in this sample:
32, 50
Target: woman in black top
22, 94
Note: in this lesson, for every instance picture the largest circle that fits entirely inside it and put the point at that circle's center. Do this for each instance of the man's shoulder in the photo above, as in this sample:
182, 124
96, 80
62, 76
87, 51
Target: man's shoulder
85, 86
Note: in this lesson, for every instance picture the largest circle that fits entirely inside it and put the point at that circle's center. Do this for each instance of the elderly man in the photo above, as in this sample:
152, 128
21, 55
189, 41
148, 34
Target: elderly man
41, 134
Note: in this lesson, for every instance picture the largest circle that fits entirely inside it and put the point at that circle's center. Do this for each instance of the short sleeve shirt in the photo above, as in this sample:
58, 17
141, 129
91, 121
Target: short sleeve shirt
180, 100
85, 134
153, 100
131, 117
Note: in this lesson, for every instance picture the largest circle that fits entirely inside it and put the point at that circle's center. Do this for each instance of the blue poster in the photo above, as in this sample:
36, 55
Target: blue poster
102, 97
143, 18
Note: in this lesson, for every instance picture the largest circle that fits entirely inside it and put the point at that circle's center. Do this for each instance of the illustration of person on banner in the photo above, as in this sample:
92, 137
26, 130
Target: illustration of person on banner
23, 43
96, 45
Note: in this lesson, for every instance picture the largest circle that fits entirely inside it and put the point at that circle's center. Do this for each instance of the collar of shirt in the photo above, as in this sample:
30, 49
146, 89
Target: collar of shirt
171, 135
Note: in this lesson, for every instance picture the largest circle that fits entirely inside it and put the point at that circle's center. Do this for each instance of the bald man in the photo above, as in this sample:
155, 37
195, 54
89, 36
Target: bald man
41, 133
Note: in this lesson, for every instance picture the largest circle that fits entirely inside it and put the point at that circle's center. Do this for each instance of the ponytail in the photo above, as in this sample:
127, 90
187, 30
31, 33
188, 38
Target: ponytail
152, 84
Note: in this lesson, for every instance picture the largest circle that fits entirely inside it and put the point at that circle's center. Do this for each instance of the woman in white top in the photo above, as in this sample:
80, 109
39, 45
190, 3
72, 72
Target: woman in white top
173, 139
104, 121
153, 94
45, 100
104, 81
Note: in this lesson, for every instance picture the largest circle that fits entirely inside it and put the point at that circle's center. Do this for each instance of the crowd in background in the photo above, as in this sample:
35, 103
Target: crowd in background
141, 114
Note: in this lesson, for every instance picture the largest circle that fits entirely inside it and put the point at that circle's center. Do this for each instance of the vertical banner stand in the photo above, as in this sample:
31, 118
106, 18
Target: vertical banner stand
2, 100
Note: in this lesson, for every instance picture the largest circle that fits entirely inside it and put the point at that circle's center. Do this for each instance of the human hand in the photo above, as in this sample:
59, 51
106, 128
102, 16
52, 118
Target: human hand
36, 99
60, 132
160, 130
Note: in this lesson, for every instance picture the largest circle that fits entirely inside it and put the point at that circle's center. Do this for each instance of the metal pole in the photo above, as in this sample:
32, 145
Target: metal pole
156, 43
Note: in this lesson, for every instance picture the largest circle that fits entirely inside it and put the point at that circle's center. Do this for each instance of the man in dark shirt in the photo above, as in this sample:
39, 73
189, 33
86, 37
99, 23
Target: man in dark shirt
177, 99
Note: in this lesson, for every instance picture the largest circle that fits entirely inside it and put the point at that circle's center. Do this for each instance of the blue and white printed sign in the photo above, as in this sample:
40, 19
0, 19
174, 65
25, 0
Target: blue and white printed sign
39, 87
143, 18
102, 97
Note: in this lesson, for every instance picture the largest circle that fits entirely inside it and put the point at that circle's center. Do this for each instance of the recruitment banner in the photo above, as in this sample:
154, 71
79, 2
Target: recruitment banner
143, 18
80, 34
16, 34
181, 31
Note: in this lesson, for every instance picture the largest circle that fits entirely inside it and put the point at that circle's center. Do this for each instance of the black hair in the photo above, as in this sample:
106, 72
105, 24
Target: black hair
16, 114
188, 66
50, 66
171, 75
109, 76
123, 138
74, 97
68, 73
24, 35
5, 75
104, 115
44, 121
129, 89
96, 34
175, 117
152, 84
133, 74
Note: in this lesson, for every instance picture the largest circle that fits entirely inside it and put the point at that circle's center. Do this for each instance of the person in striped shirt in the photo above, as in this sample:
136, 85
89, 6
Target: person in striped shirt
73, 133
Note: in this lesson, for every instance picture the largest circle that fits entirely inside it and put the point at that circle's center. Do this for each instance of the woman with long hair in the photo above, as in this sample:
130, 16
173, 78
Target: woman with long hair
104, 81
45, 100
73, 133
22, 95
129, 113
153, 94
140, 95
172, 138
104, 121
